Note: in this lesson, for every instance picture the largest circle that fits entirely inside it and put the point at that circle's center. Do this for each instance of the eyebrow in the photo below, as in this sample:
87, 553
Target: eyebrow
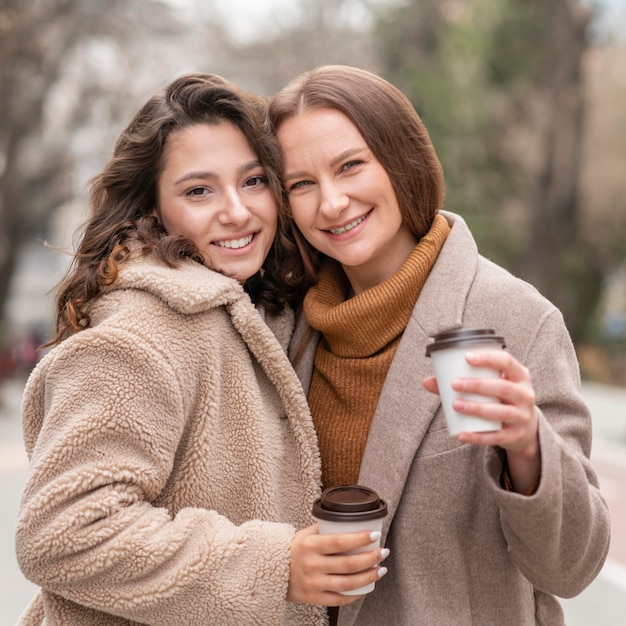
346, 154
342, 156
203, 175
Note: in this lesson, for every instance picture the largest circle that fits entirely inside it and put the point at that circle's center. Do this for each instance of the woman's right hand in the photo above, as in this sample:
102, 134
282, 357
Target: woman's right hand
318, 570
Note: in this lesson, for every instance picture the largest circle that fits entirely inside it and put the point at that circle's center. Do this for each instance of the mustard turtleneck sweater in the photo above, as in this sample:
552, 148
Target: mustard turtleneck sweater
360, 336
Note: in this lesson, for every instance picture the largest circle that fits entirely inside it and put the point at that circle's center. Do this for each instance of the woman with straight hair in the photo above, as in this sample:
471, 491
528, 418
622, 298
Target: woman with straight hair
173, 460
484, 527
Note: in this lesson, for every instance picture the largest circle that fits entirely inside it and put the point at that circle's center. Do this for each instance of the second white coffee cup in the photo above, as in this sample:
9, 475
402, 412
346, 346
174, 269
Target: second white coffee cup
448, 353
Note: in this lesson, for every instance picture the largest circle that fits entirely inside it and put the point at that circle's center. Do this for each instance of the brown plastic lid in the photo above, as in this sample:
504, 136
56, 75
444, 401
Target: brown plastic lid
352, 503
462, 337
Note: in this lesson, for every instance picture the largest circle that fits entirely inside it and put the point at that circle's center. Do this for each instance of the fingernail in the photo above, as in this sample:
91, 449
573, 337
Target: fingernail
384, 553
382, 571
375, 536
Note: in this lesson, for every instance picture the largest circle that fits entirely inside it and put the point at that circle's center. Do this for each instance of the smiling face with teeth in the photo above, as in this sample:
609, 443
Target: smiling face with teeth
341, 197
213, 190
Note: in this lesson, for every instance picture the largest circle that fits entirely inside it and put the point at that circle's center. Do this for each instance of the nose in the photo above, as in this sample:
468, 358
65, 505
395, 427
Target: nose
234, 210
332, 200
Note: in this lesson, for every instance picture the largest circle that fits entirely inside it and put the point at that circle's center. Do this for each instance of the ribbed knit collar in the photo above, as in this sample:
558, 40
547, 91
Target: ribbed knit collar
364, 324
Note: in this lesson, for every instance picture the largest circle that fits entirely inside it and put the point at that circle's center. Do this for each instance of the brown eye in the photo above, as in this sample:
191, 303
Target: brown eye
256, 181
197, 192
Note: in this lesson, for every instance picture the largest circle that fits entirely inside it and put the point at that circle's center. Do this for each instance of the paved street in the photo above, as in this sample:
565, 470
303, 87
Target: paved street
603, 603
15, 590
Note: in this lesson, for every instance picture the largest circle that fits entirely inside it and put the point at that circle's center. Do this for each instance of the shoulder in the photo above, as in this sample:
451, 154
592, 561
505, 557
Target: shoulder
516, 309
156, 313
493, 283
469, 290
486, 285
160, 304
188, 288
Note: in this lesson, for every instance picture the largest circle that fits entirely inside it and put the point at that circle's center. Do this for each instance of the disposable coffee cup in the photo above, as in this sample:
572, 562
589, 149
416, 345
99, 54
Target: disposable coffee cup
348, 509
448, 352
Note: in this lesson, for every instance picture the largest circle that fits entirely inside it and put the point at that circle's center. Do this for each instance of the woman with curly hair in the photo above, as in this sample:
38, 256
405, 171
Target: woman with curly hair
173, 460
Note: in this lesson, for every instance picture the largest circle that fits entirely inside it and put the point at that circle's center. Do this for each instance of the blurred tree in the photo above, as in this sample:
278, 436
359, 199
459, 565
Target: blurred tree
603, 183
321, 32
69, 71
31, 48
496, 81
548, 42
499, 85
436, 52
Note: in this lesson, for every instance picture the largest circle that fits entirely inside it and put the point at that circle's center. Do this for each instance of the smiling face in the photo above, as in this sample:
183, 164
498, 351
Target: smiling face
341, 197
213, 191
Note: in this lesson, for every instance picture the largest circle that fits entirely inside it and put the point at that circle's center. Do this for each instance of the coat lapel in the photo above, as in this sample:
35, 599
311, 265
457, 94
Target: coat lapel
302, 350
403, 414
269, 353
405, 409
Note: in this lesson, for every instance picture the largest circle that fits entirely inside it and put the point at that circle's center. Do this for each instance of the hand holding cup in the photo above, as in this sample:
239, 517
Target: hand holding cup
349, 509
504, 398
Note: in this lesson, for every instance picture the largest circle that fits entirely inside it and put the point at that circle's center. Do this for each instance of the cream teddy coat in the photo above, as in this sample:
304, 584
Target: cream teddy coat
463, 550
172, 456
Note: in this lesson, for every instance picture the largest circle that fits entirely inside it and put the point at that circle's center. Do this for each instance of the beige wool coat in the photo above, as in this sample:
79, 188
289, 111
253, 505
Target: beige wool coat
463, 550
172, 456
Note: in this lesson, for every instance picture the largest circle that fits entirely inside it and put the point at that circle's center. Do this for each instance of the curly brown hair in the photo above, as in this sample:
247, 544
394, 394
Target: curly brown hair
124, 194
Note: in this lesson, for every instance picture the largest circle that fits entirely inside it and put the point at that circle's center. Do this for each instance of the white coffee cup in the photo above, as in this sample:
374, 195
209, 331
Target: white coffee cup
348, 509
448, 353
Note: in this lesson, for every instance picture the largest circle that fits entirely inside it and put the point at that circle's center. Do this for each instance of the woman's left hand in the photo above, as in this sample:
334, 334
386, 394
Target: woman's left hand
516, 411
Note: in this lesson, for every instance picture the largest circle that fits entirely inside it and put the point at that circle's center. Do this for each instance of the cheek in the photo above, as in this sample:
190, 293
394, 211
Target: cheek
182, 223
272, 227
268, 213
302, 212
173, 225
166, 213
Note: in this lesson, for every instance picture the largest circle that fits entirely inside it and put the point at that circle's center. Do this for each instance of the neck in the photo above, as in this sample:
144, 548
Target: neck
378, 269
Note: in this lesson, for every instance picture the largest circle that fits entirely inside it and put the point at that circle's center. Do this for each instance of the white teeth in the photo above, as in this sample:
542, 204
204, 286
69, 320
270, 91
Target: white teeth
235, 243
347, 227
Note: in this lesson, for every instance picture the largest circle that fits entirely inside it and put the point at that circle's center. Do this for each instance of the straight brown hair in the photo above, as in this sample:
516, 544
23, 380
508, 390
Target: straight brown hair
391, 128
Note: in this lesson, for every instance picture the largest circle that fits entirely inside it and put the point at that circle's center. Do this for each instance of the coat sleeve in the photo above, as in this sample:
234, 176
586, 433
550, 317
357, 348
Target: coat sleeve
103, 417
559, 536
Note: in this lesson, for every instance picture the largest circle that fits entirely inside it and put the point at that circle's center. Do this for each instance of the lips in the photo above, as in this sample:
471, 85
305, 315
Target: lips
235, 244
349, 226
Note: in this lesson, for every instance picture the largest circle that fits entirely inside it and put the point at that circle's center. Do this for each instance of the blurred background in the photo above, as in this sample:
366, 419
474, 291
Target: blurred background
525, 103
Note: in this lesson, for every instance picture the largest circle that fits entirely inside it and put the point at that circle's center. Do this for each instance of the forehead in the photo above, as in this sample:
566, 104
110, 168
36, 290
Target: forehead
206, 136
324, 128
203, 145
